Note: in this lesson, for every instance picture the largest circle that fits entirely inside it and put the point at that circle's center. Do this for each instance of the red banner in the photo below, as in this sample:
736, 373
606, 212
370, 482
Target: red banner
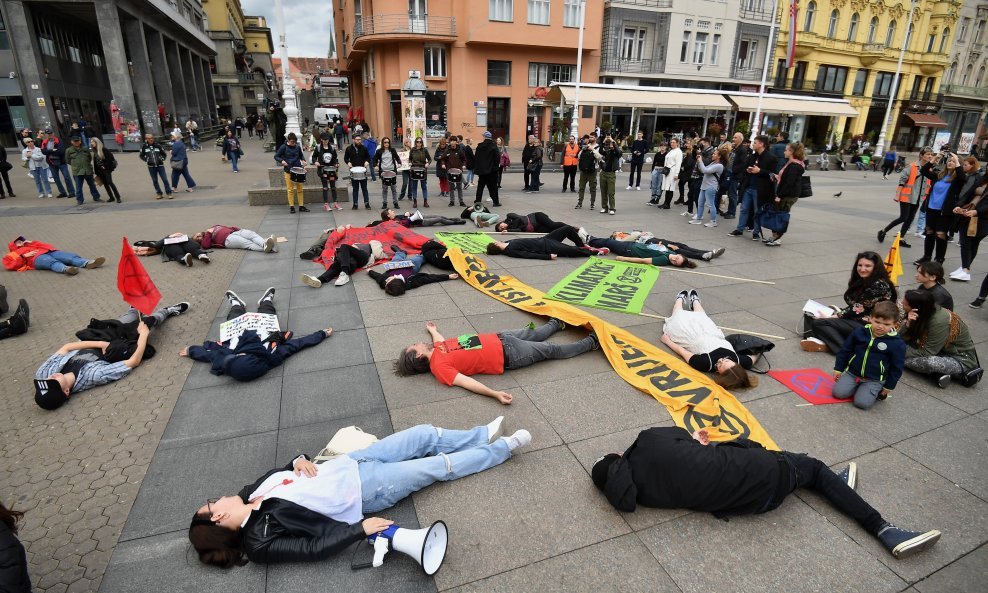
388, 233
134, 283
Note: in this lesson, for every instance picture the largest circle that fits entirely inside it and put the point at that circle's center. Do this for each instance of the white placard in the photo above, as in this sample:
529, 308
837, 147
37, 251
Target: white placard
263, 323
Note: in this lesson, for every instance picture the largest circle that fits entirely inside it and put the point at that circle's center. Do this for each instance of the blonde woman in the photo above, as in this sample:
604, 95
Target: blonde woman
103, 165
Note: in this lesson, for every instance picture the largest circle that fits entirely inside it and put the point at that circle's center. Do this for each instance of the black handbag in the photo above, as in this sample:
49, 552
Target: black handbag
5, 166
750, 345
805, 188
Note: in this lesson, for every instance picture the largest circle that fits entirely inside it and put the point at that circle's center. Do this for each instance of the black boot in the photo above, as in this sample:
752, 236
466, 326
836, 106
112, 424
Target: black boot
3, 300
941, 380
971, 378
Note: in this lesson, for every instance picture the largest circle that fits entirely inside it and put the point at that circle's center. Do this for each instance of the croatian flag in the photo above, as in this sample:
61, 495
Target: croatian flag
791, 49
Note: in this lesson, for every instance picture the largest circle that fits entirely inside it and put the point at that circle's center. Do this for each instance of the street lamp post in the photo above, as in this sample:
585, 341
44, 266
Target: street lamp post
880, 146
769, 52
288, 100
575, 126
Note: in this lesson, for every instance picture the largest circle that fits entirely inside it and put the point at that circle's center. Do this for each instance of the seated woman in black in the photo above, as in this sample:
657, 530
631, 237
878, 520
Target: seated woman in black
869, 284
696, 339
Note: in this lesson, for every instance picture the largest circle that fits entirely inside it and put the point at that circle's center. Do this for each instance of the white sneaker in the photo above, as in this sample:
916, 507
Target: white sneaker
584, 235
711, 224
519, 439
269, 244
611, 212
495, 429
956, 272
638, 189
962, 277
342, 279
686, 213
310, 280
603, 210
629, 187
696, 221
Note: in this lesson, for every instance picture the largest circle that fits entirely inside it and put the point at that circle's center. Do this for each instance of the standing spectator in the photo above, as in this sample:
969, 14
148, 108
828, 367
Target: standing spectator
571, 151
534, 166
80, 161
420, 158
403, 168
340, 132
526, 157
888, 162
153, 155
327, 163
180, 157
440, 170
370, 143
193, 129
356, 155
788, 184
672, 169
638, 149
238, 125
386, 159
487, 163
703, 153
710, 187
609, 167
103, 165
231, 149
587, 161
469, 161
778, 149
757, 188
454, 158
37, 164
53, 149
289, 156
912, 191
261, 127
251, 122
5, 168
686, 173
503, 160
940, 208
738, 162
26, 134
658, 171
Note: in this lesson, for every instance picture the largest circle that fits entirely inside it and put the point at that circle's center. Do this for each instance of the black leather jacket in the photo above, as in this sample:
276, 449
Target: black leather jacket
282, 531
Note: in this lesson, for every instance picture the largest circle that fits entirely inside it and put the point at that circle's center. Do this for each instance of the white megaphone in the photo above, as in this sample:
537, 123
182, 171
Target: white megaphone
427, 546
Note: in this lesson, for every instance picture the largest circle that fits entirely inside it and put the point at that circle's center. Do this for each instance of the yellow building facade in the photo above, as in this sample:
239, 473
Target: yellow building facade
850, 48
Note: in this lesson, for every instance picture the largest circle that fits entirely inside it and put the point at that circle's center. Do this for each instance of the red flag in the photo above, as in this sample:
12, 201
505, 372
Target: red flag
134, 283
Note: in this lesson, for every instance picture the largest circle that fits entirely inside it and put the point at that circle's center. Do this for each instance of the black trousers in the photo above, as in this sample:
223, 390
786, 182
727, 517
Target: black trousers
694, 193
6, 181
176, 251
327, 185
907, 213
111, 188
491, 182
562, 249
569, 174
434, 253
544, 224
969, 245
832, 331
681, 248
636, 169
348, 259
527, 175
266, 306
682, 188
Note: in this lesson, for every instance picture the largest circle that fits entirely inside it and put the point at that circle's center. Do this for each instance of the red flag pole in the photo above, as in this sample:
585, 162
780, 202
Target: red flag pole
133, 282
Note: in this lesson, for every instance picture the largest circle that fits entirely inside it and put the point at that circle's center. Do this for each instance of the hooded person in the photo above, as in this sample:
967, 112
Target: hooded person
28, 254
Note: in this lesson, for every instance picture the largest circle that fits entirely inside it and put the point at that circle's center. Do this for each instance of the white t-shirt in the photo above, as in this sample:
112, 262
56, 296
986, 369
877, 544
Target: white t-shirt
334, 492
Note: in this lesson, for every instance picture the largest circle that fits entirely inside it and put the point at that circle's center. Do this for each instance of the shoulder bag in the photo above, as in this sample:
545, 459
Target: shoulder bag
805, 188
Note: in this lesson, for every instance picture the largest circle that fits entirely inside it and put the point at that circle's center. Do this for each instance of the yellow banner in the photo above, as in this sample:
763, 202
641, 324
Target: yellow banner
692, 399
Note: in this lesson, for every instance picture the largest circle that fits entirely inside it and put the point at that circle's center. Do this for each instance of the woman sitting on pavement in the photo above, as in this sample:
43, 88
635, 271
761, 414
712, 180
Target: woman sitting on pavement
654, 251
397, 280
232, 237
930, 277
176, 247
548, 247
536, 222
869, 284
938, 342
696, 339
307, 512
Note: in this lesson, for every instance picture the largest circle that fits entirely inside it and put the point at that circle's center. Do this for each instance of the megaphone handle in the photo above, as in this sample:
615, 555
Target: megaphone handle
381, 547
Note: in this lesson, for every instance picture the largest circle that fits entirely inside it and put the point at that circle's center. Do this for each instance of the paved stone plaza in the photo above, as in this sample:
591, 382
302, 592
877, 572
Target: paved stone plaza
109, 481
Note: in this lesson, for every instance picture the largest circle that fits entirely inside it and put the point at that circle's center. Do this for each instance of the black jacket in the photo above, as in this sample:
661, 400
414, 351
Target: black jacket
282, 531
152, 154
666, 468
414, 281
317, 156
526, 153
762, 181
612, 159
588, 158
638, 150
356, 156
104, 165
470, 158
13, 563
487, 159
789, 182
741, 155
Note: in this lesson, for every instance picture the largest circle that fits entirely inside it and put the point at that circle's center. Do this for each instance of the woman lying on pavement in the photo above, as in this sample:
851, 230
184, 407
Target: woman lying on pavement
232, 237
176, 247
547, 247
410, 219
404, 273
536, 222
620, 244
696, 339
307, 512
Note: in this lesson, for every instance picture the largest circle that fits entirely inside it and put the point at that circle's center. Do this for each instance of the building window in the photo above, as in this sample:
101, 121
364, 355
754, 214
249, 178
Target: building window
950, 73
929, 44
967, 74
810, 14
699, 48
249, 92
370, 66
498, 73
633, 44
714, 50
981, 77
943, 40
222, 92
435, 61
435, 114
47, 46
860, 80
703, 25
74, 54
929, 88
832, 27
852, 31
540, 74
883, 84
686, 47
831, 79
688, 23
97, 60
917, 84
571, 13
502, 10
872, 29
979, 32
890, 36
747, 52
962, 33
538, 12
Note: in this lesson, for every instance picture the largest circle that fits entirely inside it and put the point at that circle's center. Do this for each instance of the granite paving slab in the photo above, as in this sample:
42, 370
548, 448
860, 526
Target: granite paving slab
340, 350
967, 573
960, 460
401, 392
314, 397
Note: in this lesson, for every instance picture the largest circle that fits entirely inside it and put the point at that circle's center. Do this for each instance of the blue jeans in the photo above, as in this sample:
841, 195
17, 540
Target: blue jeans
63, 171
41, 180
362, 185
469, 177
157, 172
57, 261
749, 207
655, 185
417, 259
921, 221
732, 196
234, 157
525, 347
708, 198
413, 189
864, 391
408, 461
79, 179
184, 173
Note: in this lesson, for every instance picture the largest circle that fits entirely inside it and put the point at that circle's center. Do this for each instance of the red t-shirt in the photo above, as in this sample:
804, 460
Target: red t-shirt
469, 354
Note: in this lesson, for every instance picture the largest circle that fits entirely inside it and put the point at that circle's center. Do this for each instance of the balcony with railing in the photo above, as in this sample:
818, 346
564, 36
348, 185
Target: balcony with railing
743, 72
399, 27
960, 90
616, 64
640, 3
804, 86
755, 10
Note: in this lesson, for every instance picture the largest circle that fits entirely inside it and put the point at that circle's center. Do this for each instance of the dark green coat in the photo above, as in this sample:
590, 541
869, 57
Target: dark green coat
79, 160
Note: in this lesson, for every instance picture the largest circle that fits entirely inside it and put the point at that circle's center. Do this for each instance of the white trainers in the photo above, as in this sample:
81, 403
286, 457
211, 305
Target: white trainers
342, 279
956, 272
962, 277
310, 280
638, 189
519, 439
629, 187
711, 224
582, 232
269, 244
495, 429
603, 210
686, 213
696, 221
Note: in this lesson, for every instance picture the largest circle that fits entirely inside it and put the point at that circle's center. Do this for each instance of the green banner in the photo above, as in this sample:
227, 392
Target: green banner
607, 284
467, 242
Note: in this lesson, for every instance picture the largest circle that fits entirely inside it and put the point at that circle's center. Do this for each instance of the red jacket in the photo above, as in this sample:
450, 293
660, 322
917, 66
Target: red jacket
216, 236
22, 262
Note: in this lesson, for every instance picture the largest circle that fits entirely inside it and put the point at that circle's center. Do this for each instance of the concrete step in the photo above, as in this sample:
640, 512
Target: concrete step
279, 196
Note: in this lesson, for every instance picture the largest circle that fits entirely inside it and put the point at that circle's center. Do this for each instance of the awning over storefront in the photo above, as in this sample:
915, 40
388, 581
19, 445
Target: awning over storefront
924, 120
793, 105
642, 97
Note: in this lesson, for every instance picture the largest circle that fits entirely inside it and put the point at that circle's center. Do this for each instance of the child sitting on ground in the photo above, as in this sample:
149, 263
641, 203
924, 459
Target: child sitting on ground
929, 274
871, 361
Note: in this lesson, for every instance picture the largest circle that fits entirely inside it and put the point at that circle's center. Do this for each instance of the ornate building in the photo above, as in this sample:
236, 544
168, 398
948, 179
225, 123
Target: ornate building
965, 85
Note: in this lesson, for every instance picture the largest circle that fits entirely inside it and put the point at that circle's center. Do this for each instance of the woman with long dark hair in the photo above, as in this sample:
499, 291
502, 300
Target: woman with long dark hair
939, 208
972, 225
14, 577
869, 284
104, 164
938, 342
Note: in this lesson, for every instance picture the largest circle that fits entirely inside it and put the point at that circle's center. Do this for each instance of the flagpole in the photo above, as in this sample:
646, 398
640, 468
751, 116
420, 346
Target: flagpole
880, 145
769, 52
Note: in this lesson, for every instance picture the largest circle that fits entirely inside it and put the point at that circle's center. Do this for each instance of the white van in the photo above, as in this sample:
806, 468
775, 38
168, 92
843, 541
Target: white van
324, 115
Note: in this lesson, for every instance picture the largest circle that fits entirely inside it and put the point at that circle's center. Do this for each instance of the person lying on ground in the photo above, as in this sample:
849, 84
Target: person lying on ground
413, 219
454, 361
304, 512
548, 247
405, 275
870, 363
250, 357
78, 366
28, 254
232, 237
536, 222
316, 249
938, 342
18, 322
176, 247
647, 238
695, 338
670, 469
347, 260
480, 215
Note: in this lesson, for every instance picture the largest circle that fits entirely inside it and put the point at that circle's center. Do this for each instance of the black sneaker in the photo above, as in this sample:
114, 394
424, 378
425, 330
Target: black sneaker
24, 312
178, 308
234, 299
881, 236
968, 379
976, 303
596, 341
452, 204
903, 244
4, 307
683, 294
354, 207
291, 209
268, 294
303, 209
735, 233
308, 255
902, 543
850, 475
367, 206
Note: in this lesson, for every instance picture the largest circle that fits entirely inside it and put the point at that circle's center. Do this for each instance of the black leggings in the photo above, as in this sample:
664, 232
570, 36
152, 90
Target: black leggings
682, 188
969, 245
907, 212
6, 181
887, 166
176, 251
348, 259
327, 185
569, 174
561, 249
636, 170
434, 253
111, 188
681, 248
831, 331
694, 193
